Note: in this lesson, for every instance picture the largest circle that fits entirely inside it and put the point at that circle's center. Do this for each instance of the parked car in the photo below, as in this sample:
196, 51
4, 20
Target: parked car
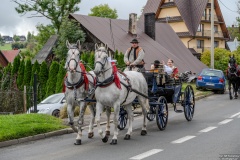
211, 79
51, 105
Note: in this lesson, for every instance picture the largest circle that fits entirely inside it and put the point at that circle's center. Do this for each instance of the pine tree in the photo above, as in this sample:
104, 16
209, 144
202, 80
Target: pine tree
6, 80
60, 77
42, 80
27, 73
52, 79
35, 69
20, 75
16, 64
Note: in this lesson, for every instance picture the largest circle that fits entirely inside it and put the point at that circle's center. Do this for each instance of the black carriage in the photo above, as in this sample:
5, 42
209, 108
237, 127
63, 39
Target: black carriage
163, 90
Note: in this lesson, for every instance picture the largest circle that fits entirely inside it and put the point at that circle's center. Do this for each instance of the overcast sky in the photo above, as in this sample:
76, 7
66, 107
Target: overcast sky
12, 23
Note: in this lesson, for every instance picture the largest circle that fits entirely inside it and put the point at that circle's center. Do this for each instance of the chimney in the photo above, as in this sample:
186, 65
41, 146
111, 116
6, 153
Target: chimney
132, 23
149, 24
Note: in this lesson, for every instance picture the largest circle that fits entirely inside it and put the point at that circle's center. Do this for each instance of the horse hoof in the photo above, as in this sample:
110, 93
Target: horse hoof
78, 142
90, 135
105, 139
107, 133
127, 137
114, 141
143, 132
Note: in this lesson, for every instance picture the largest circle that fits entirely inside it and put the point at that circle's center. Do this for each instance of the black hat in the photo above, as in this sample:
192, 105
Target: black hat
134, 41
156, 62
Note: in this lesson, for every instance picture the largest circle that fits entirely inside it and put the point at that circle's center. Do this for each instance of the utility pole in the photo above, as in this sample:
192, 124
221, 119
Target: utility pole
212, 34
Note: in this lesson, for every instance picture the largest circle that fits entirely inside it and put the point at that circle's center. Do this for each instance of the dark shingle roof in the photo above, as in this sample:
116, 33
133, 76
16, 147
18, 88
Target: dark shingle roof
191, 12
175, 46
46, 50
118, 38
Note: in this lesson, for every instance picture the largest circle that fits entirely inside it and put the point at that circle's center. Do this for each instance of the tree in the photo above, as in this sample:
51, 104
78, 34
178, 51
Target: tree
42, 80
60, 77
52, 79
27, 73
6, 80
35, 70
221, 57
16, 38
1, 40
20, 75
103, 10
70, 30
54, 10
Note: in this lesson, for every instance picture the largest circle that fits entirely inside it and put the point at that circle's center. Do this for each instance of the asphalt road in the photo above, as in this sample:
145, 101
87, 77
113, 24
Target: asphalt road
213, 133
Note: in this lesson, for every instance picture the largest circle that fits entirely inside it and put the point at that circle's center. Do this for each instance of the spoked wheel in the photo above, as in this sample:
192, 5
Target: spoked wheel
122, 120
162, 113
152, 113
189, 103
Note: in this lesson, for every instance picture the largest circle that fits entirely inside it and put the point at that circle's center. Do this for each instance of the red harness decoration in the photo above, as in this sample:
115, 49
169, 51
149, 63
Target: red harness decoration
116, 78
84, 73
86, 81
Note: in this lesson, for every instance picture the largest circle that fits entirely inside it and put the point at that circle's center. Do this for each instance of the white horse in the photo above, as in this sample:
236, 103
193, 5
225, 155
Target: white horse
108, 94
78, 84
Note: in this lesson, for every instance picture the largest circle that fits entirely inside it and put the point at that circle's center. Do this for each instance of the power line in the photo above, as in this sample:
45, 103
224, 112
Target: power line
227, 7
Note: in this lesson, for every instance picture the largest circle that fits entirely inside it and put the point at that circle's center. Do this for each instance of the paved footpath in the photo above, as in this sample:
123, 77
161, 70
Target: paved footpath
67, 130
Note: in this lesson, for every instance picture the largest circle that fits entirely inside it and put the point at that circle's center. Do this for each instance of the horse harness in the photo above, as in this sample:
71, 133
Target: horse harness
107, 82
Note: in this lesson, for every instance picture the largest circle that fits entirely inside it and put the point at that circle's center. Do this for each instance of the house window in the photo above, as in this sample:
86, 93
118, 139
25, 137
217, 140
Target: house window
170, 0
216, 44
200, 28
215, 28
200, 43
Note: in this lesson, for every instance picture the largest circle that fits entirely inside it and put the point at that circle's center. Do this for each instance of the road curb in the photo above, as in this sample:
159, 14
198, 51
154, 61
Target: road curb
60, 132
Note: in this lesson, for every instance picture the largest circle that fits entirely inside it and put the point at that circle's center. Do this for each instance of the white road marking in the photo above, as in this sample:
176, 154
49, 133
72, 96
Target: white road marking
235, 115
146, 154
181, 140
208, 129
225, 121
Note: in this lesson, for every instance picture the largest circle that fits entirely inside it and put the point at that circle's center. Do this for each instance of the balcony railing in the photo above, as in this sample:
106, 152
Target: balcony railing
207, 33
202, 49
207, 17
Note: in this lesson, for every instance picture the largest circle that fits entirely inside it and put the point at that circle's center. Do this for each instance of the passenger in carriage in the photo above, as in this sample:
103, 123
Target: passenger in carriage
133, 57
174, 73
156, 66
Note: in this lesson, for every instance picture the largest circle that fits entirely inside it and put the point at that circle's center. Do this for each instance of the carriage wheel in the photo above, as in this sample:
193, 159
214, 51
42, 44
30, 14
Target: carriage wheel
162, 113
152, 113
122, 120
189, 102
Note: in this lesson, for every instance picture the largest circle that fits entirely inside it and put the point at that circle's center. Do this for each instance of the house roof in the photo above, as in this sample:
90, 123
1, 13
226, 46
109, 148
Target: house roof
46, 50
114, 33
10, 54
175, 46
191, 12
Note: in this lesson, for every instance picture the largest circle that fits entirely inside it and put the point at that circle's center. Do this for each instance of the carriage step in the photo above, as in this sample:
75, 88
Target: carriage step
178, 111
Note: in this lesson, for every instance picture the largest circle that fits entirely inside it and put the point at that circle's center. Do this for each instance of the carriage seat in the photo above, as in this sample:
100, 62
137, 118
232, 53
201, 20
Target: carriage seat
150, 76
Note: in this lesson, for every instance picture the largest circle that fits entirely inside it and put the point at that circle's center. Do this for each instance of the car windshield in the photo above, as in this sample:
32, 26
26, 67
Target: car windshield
53, 99
212, 73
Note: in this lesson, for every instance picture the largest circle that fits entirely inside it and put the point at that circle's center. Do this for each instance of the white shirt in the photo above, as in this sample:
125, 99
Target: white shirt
168, 69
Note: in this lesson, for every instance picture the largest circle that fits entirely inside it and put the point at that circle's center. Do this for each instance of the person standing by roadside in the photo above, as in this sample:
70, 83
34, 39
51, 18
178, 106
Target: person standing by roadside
133, 57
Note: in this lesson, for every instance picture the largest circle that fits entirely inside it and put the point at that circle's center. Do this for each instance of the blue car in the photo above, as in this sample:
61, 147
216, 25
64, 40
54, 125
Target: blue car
211, 79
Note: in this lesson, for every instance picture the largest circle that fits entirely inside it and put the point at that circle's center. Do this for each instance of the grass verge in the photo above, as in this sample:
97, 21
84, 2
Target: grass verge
6, 47
196, 92
24, 125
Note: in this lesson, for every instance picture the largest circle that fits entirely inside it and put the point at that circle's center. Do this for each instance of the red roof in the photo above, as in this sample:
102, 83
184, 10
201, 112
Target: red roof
10, 55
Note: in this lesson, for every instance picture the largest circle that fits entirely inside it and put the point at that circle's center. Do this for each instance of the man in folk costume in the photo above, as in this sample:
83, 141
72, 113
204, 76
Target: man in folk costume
133, 57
